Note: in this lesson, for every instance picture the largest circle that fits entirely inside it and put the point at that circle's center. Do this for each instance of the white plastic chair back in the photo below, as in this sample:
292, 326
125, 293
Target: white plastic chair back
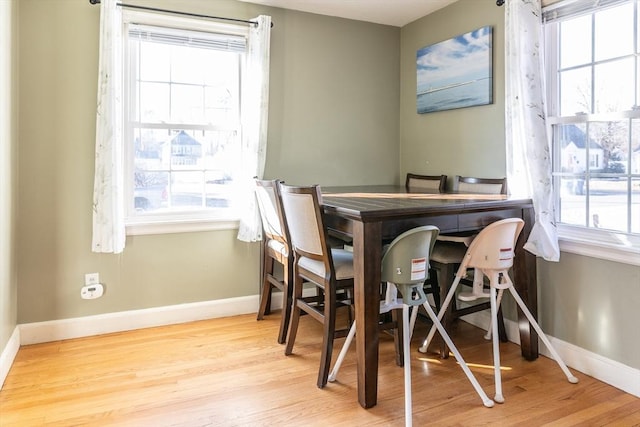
493, 247
406, 262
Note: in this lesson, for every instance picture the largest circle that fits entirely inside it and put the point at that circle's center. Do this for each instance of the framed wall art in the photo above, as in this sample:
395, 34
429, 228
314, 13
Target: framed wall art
456, 73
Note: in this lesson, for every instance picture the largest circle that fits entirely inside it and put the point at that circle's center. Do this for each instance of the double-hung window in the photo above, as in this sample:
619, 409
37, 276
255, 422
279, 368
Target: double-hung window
182, 121
593, 81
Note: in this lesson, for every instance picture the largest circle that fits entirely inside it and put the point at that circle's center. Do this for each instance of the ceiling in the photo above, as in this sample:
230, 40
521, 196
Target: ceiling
390, 12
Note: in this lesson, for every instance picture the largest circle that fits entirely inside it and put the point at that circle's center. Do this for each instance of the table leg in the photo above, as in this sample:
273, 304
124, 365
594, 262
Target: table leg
527, 286
367, 238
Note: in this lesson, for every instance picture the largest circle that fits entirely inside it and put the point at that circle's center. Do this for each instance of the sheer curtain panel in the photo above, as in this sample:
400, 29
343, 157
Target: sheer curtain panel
108, 199
527, 141
255, 108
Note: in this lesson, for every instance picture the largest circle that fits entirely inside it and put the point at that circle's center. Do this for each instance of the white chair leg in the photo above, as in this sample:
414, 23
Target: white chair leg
572, 379
412, 321
487, 336
347, 343
425, 345
408, 412
496, 347
436, 323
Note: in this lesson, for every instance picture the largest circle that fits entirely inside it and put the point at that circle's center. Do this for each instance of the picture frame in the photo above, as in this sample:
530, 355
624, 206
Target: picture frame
456, 73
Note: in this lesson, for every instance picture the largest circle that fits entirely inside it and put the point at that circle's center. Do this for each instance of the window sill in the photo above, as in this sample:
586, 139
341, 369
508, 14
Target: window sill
599, 244
183, 226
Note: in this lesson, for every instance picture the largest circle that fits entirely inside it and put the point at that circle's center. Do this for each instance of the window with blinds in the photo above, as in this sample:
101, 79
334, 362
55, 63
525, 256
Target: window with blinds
183, 121
593, 83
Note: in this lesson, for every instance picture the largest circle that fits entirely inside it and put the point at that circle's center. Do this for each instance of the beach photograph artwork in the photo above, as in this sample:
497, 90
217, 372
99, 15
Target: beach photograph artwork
455, 73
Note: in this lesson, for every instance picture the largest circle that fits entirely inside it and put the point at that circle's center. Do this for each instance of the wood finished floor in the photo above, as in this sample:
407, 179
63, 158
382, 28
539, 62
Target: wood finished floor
232, 372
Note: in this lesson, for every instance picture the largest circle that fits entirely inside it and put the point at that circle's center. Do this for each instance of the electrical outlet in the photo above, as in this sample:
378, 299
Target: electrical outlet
91, 279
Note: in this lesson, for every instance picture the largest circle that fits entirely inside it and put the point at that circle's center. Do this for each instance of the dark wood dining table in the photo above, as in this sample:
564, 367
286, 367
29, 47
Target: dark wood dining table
373, 214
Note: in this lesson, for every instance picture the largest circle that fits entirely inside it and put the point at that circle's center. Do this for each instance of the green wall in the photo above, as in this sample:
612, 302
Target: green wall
334, 100
8, 143
584, 301
333, 117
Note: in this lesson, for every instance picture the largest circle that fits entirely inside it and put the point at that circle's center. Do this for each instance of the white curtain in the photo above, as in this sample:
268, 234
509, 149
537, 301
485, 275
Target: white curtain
527, 141
255, 108
108, 200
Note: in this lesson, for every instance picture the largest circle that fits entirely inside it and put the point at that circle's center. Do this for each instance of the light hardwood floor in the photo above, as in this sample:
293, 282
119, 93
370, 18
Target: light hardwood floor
232, 372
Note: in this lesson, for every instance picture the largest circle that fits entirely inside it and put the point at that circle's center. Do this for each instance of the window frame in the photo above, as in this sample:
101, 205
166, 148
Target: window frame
584, 240
179, 221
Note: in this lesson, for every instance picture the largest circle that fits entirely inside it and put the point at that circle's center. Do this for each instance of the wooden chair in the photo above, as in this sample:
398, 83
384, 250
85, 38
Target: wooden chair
276, 249
417, 183
448, 253
468, 184
404, 268
491, 254
330, 270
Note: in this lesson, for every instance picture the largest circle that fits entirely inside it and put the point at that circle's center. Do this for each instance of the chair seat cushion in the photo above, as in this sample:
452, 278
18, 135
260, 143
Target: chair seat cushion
342, 262
448, 252
276, 247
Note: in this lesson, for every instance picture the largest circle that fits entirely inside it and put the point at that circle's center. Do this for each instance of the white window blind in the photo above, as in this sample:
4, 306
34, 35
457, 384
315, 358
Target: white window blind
214, 41
572, 8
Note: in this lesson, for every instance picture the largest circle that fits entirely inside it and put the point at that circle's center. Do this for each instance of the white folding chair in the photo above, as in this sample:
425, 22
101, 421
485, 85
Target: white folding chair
404, 267
492, 253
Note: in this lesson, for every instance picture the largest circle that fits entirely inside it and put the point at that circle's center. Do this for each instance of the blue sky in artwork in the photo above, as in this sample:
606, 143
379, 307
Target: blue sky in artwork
464, 58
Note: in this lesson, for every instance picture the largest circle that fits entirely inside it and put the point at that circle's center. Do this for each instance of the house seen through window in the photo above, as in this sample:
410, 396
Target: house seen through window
183, 131
593, 65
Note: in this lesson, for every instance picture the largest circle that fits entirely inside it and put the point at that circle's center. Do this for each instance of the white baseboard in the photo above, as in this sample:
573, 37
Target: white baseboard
606, 370
54, 330
8, 355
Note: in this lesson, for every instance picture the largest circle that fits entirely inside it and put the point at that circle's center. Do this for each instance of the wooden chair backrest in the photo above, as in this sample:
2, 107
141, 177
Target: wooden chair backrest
274, 224
303, 210
468, 184
416, 182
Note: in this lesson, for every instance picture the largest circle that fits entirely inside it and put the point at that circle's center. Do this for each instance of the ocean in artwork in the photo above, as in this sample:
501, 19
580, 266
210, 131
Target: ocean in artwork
455, 73
462, 95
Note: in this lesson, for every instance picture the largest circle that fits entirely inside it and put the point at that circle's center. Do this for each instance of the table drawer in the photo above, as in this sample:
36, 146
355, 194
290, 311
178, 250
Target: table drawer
479, 220
392, 229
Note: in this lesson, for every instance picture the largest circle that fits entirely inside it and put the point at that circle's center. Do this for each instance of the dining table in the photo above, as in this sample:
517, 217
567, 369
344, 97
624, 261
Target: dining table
373, 214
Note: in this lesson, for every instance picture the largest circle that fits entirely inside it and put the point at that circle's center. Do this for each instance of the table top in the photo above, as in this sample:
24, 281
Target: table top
377, 202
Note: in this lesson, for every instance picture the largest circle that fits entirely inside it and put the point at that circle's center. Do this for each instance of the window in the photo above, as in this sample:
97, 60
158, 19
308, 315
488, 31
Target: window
593, 82
182, 119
